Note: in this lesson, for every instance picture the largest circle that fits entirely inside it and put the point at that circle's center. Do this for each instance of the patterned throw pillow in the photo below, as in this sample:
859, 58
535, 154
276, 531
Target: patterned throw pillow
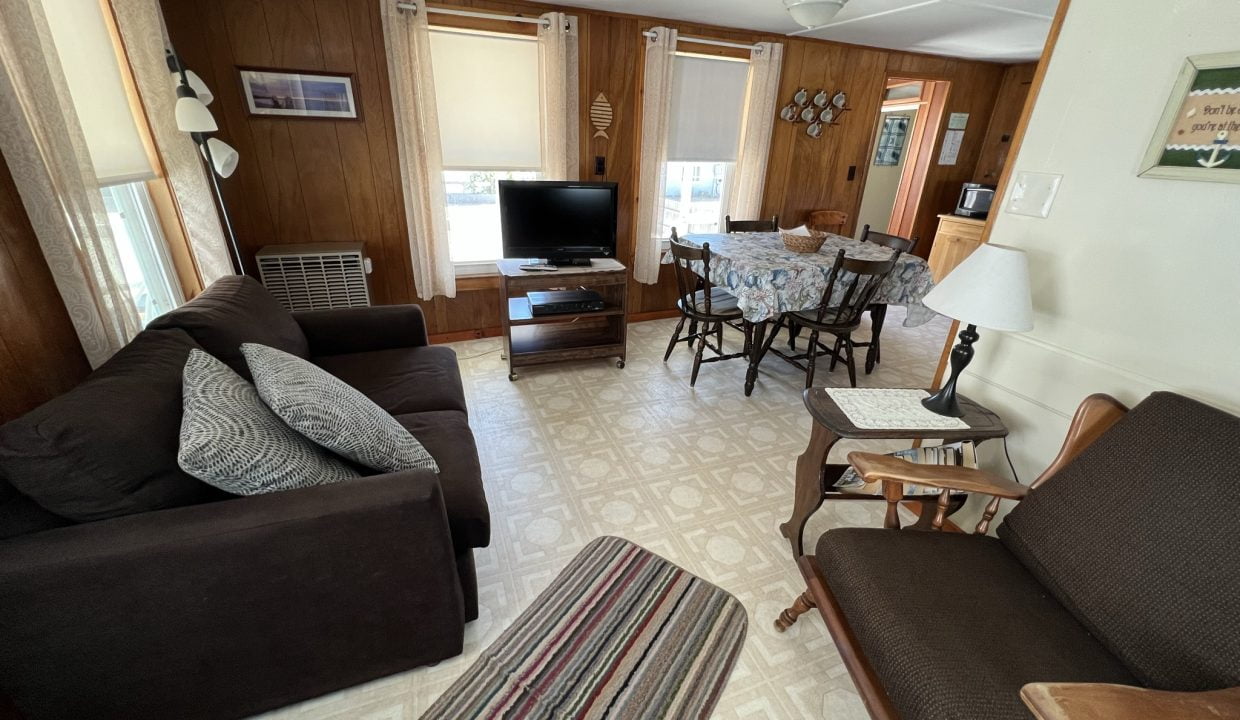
231, 440
332, 413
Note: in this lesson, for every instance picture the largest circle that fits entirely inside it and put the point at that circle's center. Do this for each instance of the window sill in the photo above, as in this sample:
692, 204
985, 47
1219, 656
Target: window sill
475, 269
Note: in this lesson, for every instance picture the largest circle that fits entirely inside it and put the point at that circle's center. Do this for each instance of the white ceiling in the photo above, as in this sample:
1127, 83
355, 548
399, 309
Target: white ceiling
1002, 30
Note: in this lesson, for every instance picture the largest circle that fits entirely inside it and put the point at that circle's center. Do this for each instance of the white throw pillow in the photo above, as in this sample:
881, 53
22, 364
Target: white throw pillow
330, 412
231, 440
798, 230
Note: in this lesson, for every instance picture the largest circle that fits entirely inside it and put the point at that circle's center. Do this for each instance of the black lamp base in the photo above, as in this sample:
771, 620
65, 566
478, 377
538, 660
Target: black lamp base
944, 401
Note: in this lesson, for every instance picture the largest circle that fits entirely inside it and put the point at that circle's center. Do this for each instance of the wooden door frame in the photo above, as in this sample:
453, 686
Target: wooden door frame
1018, 137
933, 101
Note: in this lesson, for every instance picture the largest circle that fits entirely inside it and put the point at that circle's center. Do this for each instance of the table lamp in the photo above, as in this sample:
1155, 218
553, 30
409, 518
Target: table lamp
989, 289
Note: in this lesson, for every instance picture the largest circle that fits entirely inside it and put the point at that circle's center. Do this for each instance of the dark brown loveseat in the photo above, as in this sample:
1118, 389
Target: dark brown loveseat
1119, 567
130, 589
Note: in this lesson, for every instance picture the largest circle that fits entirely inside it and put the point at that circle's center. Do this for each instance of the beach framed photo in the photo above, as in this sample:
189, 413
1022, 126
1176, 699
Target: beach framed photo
285, 93
1198, 137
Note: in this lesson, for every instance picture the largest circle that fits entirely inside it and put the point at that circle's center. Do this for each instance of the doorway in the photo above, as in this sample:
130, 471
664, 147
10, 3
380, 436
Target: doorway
903, 143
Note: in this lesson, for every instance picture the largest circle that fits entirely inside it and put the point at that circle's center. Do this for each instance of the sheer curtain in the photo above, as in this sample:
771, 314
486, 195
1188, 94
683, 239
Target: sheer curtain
141, 27
656, 113
45, 148
745, 195
557, 69
407, 37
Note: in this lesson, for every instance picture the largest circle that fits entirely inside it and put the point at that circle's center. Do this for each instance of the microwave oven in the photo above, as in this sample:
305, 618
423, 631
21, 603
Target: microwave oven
975, 200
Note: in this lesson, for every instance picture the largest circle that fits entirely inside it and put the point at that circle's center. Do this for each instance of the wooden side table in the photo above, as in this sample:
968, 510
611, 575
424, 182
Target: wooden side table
815, 479
534, 340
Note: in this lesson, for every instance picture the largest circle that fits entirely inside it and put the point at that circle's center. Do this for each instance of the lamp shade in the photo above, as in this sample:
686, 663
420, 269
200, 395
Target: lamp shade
813, 13
223, 157
990, 289
196, 84
193, 116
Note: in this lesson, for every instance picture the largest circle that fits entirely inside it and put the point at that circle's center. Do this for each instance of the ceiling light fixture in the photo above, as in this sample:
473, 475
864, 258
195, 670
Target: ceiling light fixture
813, 13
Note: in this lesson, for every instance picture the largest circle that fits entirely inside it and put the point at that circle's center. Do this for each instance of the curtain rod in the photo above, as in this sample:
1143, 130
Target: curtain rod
704, 41
471, 13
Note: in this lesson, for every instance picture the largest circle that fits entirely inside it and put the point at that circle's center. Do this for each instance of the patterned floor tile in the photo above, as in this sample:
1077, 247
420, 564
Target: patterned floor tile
702, 476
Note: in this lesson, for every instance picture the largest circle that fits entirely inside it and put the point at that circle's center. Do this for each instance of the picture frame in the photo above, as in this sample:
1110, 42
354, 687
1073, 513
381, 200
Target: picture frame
271, 92
1198, 136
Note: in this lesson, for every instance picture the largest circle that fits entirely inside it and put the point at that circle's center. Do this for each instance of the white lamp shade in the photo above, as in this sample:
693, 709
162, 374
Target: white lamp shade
223, 157
989, 289
813, 13
193, 116
196, 84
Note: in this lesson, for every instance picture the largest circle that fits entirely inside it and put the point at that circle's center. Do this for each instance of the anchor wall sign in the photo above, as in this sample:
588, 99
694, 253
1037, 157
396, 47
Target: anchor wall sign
1199, 135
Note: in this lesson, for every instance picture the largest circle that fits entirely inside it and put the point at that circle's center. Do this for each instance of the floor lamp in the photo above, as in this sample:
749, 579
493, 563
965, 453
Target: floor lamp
194, 118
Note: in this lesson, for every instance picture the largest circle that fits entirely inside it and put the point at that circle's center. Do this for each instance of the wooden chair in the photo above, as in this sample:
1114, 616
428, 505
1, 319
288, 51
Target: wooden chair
878, 311
832, 221
707, 308
859, 280
1097, 581
733, 226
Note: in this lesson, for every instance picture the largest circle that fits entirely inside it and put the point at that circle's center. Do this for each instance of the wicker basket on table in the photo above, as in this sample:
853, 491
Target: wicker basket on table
804, 243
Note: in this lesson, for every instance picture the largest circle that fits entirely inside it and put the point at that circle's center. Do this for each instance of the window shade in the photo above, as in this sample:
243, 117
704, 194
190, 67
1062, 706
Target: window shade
708, 96
486, 87
93, 73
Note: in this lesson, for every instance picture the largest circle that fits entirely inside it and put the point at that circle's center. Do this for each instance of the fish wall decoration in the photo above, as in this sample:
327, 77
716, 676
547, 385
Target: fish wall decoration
600, 116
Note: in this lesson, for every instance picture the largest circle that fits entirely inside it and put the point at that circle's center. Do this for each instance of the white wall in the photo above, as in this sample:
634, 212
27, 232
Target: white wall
882, 182
1136, 280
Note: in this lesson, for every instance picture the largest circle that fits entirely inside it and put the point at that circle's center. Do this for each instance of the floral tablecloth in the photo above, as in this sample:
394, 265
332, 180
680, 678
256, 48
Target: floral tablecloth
769, 279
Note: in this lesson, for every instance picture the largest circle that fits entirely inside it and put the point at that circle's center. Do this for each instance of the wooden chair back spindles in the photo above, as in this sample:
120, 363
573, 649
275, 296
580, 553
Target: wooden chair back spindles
733, 226
832, 221
859, 280
706, 313
895, 242
689, 281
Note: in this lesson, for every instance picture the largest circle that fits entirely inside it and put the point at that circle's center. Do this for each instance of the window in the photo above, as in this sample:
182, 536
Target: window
490, 129
117, 151
142, 249
891, 140
708, 98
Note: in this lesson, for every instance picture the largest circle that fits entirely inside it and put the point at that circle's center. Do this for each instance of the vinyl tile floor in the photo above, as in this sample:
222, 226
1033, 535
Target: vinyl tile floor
702, 476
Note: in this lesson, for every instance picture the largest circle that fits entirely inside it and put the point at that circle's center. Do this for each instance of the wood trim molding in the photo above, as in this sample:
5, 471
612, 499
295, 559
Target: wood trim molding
462, 335
653, 315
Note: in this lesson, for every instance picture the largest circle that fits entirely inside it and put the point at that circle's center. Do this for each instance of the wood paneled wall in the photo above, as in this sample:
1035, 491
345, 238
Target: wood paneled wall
323, 180
40, 356
1013, 93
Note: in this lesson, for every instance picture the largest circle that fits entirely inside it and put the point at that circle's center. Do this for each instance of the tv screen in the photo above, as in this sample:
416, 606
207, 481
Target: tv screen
558, 220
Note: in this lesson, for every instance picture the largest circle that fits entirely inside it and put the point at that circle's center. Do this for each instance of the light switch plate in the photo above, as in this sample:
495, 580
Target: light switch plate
1033, 193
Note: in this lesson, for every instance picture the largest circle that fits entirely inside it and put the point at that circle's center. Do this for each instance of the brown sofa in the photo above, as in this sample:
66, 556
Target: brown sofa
129, 589
1118, 568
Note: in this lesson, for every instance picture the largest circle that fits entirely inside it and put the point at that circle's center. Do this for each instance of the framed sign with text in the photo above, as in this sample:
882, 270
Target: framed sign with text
1198, 137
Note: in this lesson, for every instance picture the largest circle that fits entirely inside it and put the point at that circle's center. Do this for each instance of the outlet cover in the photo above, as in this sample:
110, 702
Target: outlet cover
1033, 193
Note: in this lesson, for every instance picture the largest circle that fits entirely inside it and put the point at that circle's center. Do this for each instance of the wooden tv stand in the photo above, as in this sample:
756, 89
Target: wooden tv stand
530, 340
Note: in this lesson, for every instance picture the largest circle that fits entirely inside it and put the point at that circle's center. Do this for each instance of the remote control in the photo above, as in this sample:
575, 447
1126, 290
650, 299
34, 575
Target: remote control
542, 267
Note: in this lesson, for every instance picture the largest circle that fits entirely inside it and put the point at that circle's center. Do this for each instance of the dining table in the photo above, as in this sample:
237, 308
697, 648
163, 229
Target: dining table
767, 280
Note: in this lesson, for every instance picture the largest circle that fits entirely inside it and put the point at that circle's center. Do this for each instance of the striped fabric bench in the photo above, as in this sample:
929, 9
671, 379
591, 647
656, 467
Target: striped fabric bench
619, 633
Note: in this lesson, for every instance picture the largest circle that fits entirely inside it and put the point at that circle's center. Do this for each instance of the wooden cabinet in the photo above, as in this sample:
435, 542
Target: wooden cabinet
955, 240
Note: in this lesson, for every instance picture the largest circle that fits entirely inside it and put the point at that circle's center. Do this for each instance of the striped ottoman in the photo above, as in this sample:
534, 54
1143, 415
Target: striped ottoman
620, 633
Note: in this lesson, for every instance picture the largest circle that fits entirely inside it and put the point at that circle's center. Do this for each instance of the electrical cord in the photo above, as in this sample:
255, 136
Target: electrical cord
1009, 459
481, 354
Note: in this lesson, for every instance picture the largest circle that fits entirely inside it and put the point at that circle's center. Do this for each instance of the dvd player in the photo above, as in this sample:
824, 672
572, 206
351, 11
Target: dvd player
560, 302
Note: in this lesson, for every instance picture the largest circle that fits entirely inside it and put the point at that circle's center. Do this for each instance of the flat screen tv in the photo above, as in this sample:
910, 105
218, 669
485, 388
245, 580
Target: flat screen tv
565, 222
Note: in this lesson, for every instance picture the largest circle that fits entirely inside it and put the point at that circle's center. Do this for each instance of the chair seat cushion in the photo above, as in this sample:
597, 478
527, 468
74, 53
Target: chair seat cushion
446, 436
953, 624
722, 303
402, 380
